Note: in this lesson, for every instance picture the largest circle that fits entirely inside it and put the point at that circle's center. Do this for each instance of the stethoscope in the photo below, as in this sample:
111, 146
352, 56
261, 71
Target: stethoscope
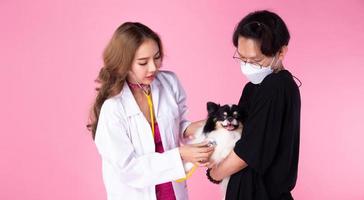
150, 105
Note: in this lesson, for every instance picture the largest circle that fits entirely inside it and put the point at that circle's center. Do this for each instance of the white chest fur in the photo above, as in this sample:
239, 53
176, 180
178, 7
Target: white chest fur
225, 142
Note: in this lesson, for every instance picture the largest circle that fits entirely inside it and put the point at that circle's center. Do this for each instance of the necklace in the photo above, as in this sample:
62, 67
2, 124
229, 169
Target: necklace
144, 87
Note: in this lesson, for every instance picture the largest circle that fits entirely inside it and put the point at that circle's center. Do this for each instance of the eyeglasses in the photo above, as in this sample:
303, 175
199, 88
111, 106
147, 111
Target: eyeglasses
258, 65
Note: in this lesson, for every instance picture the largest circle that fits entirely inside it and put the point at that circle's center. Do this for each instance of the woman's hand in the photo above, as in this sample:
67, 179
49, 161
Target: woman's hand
192, 128
198, 154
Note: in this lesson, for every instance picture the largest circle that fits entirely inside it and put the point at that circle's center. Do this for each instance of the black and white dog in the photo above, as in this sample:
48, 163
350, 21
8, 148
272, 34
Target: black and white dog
223, 129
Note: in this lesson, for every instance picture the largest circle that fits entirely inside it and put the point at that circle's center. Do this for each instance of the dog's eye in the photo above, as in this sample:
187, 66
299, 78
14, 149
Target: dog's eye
235, 114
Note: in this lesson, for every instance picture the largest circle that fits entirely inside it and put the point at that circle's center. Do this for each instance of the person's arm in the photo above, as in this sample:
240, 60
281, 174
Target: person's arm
230, 165
258, 144
187, 128
192, 128
116, 148
181, 99
139, 171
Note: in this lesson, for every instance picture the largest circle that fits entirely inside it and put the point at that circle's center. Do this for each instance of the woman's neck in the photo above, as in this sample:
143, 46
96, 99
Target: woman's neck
139, 88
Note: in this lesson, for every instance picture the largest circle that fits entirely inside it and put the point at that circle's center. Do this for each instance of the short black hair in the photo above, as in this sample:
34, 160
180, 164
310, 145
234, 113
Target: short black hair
265, 27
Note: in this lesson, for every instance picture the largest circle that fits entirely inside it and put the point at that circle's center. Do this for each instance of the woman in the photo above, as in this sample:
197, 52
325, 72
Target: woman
263, 164
138, 119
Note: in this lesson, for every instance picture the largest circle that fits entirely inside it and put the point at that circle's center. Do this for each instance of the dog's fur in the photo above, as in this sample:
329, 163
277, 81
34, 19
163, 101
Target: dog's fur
223, 129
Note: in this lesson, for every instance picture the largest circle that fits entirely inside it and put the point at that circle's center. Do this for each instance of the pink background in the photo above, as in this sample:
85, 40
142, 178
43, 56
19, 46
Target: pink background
51, 53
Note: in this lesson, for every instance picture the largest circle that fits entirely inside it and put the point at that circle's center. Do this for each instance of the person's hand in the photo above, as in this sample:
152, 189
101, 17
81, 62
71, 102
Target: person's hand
198, 154
192, 128
212, 164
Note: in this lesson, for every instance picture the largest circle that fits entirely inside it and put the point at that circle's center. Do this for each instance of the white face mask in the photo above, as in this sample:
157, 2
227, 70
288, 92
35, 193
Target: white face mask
255, 73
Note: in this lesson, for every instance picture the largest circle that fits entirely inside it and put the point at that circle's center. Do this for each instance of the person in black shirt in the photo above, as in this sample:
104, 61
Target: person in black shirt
264, 162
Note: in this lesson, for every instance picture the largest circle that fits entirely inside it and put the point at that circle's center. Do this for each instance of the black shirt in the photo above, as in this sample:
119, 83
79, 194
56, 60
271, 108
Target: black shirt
270, 140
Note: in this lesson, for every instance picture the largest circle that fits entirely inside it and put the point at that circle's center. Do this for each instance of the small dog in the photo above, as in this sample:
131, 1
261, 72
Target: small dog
222, 129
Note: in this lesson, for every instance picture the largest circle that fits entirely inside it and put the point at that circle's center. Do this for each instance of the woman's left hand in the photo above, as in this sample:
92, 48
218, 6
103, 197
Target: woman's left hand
192, 129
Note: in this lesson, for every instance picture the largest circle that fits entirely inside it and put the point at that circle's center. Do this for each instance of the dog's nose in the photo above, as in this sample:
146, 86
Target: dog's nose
230, 119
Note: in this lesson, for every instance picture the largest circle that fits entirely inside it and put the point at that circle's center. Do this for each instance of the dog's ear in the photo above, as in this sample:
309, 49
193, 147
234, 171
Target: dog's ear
212, 107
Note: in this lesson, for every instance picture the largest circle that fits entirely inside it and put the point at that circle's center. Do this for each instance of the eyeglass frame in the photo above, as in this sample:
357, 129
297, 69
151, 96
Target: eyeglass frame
253, 63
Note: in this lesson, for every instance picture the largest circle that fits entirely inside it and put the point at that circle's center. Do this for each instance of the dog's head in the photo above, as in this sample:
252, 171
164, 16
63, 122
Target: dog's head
226, 116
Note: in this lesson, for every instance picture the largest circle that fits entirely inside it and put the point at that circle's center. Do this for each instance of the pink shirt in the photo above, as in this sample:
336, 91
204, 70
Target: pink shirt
164, 191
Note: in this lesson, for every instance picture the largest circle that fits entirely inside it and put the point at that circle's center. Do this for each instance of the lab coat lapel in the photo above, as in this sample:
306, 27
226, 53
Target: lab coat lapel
157, 96
129, 101
155, 88
137, 120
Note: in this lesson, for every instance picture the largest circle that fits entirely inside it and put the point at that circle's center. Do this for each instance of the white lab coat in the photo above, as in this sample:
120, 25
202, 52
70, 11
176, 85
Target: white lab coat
131, 168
